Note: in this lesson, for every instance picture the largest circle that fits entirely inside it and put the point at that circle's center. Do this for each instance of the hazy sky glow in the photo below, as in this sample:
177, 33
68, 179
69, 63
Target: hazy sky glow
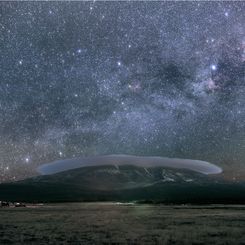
142, 78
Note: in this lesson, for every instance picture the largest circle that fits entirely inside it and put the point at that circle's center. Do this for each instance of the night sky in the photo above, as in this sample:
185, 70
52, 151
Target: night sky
142, 78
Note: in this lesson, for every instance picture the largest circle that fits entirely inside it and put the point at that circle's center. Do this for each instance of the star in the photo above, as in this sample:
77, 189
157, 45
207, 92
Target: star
213, 67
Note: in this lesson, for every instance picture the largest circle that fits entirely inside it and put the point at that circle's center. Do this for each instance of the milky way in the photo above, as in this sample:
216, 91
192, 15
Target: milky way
143, 78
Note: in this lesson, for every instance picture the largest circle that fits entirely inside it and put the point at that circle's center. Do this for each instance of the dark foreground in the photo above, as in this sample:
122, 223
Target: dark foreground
111, 223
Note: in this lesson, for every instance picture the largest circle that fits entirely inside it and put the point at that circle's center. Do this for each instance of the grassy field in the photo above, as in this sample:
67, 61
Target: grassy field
110, 223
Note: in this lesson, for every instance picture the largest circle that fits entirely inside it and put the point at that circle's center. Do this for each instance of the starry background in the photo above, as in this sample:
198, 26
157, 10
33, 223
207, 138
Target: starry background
142, 78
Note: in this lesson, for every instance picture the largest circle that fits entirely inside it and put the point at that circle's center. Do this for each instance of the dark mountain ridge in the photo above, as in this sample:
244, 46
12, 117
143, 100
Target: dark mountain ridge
125, 183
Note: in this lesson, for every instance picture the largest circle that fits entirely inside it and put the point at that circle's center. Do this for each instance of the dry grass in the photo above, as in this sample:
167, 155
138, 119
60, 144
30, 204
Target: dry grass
108, 223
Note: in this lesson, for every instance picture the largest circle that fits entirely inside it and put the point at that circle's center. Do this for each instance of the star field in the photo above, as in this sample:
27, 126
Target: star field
141, 78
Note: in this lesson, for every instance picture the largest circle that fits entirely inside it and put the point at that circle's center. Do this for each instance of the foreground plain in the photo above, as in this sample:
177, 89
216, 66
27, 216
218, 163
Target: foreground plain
115, 223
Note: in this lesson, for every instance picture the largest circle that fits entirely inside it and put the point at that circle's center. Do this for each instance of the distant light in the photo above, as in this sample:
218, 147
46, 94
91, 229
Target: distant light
20, 62
60, 153
119, 63
76, 95
214, 67
226, 14
79, 51
27, 159
129, 45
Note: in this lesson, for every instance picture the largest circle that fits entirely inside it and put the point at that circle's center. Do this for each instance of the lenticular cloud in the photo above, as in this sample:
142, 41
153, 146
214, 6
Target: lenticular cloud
119, 160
